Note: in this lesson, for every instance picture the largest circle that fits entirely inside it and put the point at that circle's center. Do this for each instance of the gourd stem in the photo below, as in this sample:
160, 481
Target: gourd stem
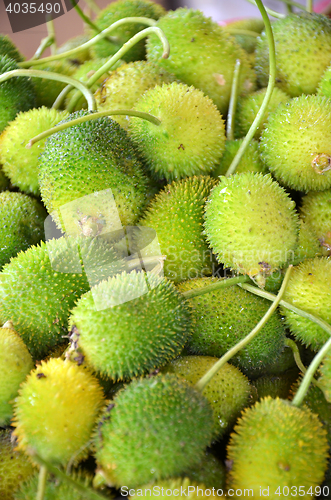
201, 384
222, 283
51, 34
309, 6
123, 50
271, 83
48, 75
296, 354
239, 31
41, 483
92, 116
233, 101
89, 43
44, 44
88, 21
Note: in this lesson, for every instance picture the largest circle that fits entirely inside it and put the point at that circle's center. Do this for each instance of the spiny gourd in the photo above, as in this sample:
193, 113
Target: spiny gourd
174, 487
309, 289
228, 392
296, 145
15, 466
40, 286
116, 11
16, 94
74, 42
325, 379
54, 489
276, 445
248, 107
8, 48
191, 36
249, 233
190, 138
48, 90
131, 324
209, 471
15, 364
221, 318
309, 246
147, 433
176, 214
22, 224
238, 29
127, 84
250, 162
56, 411
88, 158
19, 163
303, 52
275, 386
316, 212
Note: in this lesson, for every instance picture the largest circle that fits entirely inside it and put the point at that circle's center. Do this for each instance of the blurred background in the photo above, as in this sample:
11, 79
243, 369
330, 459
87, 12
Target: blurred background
70, 24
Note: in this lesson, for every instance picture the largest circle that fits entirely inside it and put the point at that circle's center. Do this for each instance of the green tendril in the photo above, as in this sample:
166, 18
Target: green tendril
51, 34
296, 354
233, 101
309, 6
93, 116
271, 12
119, 54
48, 75
222, 283
90, 43
271, 84
90, 23
291, 4
44, 44
41, 483
201, 384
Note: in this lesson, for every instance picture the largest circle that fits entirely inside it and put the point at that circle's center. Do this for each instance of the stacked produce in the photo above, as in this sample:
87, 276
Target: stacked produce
165, 266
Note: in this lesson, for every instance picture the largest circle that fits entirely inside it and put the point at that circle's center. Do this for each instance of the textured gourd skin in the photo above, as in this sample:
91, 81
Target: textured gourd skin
15, 363
15, 466
22, 224
316, 212
249, 233
296, 144
54, 489
228, 391
251, 161
209, 471
7, 48
56, 411
91, 157
309, 289
48, 90
190, 139
40, 286
220, 319
118, 10
303, 53
148, 433
176, 214
19, 163
16, 94
192, 36
129, 335
127, 84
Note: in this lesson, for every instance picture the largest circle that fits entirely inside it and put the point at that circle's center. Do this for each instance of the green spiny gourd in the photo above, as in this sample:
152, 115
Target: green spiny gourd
127, 84
146, 434
131, 324
15, 466
48, 90
251, 234
245, 40
88, 158
16, 94
15, 364
118, 10
19, 163
22, 224
324, 86
250, 162
325, 378
174, 487
316, 212
209, 471
8, 48
228, 392
220, 319
303, 52
40, 286
202, 55
176, 214
277, 445
309, 289
309, 246
190, 138
248, 107
54, 489
56, 411
74, 42
296, 145
275, 386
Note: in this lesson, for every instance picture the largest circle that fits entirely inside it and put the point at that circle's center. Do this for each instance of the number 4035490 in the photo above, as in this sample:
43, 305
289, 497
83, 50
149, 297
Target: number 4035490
300, 491
32, 8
